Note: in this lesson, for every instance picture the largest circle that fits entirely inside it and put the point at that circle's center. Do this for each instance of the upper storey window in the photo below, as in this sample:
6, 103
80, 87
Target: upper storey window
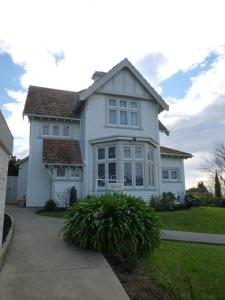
55, 130
123, 113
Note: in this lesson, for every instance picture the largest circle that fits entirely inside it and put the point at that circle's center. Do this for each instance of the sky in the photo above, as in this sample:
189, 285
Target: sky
178, 45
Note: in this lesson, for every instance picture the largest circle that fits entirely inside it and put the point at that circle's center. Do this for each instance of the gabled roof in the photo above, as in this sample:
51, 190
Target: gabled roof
62, 152
172, 152
43, 101
163, 128
124, 64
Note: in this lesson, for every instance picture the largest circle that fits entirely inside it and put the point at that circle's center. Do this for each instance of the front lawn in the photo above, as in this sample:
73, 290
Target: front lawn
53, 214
204, 264
198, 219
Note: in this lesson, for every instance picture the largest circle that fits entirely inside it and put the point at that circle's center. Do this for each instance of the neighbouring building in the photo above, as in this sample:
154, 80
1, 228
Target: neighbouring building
6, 145
101, 139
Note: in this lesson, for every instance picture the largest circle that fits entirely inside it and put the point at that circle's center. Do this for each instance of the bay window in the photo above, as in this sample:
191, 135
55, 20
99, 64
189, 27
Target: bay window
133, 170
106, 165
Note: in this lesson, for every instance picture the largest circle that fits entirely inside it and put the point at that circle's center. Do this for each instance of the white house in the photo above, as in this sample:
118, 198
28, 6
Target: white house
103, 138
6, 145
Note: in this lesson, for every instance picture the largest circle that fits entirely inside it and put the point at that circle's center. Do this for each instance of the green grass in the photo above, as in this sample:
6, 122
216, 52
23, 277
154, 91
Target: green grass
200, 219
204, 264
52, 214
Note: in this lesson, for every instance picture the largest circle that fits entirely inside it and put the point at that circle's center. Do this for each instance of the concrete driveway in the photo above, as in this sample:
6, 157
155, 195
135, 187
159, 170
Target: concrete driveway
40, 265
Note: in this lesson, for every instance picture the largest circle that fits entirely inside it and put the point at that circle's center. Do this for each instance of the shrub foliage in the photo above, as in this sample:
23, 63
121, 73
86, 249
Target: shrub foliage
50, 205
118, 225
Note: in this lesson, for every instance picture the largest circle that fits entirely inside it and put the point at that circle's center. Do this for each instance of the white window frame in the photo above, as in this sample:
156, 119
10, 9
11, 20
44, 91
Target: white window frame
106, 161
151, 167
128, 109
49, 127
58, 126
170, 170
63, 126
75, 177
133, 160
61, 177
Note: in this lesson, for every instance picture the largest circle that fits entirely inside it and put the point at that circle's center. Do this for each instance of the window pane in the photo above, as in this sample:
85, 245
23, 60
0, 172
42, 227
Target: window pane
174, 174
101, 153
150, 154
151, 174
127, 151
138, 151
112, 102
127, 174
123, 103
55, 130
133, 104
101, 174
134, 118
123, 117
112, 152
139, 174
66, 130
112, 171
112, 116
61, 172
165, 174
45, 129
76, 172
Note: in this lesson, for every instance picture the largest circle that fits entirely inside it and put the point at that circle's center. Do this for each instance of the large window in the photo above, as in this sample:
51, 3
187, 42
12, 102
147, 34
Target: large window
55, 130
123, 113
133, 165
106, 165
170, 174
151, 172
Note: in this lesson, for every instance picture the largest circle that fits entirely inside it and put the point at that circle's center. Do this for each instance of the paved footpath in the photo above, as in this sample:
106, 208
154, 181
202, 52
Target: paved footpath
40, 265
195, 237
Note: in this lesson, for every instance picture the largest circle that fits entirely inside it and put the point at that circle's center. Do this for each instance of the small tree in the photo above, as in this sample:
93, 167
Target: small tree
218, 193
202, 188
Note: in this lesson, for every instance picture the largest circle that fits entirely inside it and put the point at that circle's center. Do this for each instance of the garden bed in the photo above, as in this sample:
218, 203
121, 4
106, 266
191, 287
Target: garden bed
6, 227
138, 285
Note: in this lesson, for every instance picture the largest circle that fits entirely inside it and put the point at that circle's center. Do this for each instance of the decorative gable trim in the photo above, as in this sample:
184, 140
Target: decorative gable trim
124, 64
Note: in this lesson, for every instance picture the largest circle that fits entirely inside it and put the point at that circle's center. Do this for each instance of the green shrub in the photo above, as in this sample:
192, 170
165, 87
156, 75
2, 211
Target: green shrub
164, 203
120, 226
50, 205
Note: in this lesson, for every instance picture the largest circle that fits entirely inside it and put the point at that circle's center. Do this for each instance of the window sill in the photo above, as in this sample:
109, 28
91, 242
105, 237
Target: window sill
171, 181
123, 127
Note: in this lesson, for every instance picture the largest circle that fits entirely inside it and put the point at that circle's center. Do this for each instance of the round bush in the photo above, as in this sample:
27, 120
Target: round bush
50, 205
118, 225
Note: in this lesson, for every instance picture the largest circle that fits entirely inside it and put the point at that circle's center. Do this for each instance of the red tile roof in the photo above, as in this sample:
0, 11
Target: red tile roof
170, 151
50, 102
65, 152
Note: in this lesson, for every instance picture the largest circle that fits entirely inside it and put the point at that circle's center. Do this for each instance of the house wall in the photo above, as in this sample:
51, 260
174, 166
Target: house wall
96, 125
176, 187
3, 177
11, 189
6, 145
39, 187
22, 180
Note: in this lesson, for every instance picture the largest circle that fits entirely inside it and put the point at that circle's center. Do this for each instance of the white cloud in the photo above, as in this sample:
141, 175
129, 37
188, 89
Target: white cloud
97, 34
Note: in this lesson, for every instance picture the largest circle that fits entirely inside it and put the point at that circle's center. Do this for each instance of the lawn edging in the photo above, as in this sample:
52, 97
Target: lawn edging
7, 243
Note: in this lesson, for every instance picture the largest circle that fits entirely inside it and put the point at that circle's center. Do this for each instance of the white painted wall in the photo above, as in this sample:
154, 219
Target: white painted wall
38, 186
62, 189
176, 187
22, 180
96, 122
3, 177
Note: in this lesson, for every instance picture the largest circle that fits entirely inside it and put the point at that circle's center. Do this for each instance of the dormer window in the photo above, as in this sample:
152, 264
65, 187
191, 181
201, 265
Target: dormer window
123, 113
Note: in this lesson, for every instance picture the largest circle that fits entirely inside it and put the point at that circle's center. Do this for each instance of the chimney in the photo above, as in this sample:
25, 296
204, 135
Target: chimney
97, 75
